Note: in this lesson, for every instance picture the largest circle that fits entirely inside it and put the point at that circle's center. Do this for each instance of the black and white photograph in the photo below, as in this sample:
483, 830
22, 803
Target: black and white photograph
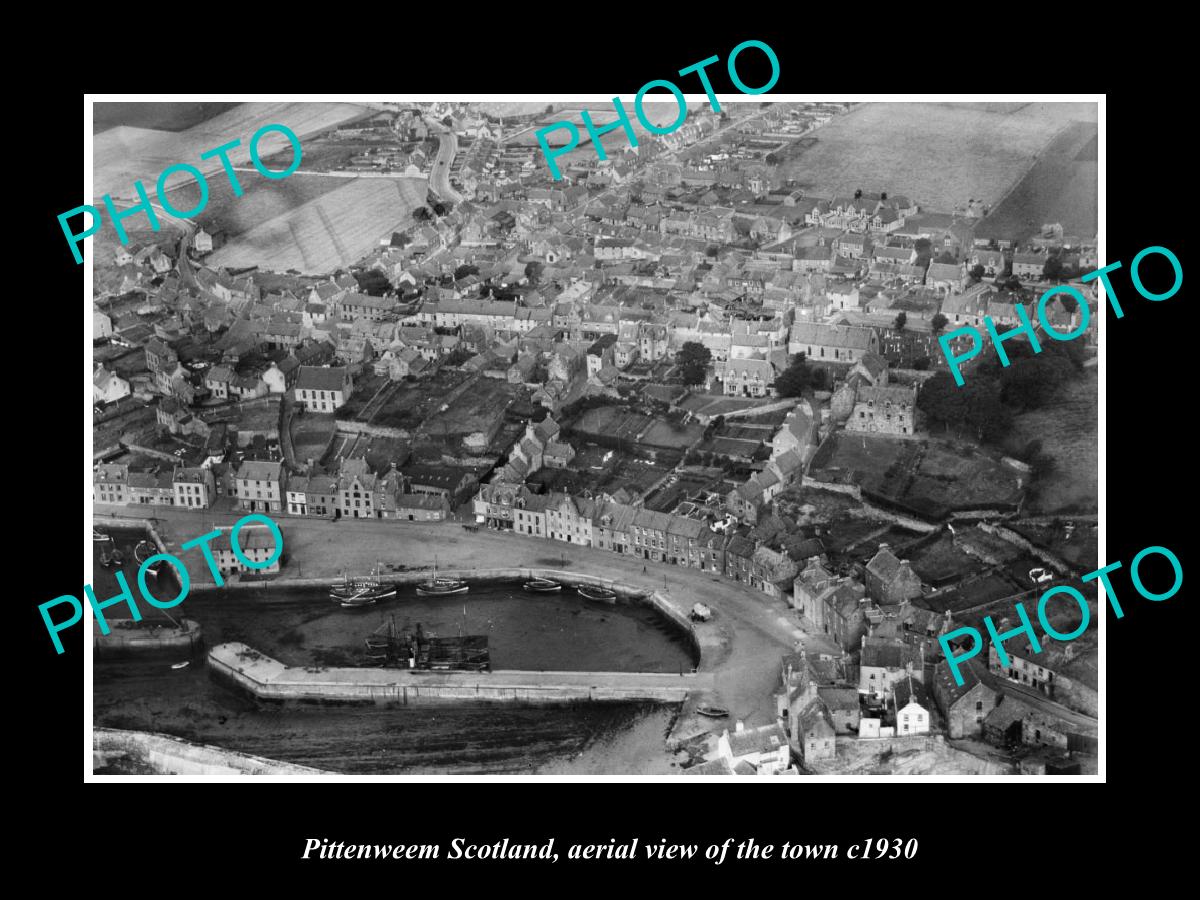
565, 439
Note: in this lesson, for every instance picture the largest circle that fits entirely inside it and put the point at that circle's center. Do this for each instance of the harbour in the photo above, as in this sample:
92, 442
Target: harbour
536, 633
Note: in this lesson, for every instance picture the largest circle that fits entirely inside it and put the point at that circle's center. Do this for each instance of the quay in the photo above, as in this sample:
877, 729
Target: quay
269, 679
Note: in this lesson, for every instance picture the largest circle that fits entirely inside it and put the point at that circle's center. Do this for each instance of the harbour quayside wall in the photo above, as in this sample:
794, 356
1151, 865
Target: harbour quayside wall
269, 679
166, 755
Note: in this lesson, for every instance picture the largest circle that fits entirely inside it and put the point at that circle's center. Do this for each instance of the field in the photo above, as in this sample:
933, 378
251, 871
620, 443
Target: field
938, 155
1069, 433
1061, 187
672, 436
926, 477
173, 116
329, 231
613, 421
129, 153
262, 201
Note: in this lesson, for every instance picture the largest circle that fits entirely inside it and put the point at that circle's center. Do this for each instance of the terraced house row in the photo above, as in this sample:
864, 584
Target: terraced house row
634, 531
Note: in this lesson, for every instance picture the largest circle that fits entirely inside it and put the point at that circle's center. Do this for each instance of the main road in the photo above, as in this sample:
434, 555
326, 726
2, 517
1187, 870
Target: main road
439, 175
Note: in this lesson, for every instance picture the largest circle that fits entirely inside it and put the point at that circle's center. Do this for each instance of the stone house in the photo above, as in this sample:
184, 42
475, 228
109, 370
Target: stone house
964, 706
891, 580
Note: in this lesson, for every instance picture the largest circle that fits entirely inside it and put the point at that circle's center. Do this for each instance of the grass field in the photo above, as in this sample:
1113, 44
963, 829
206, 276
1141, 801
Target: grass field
939, 155
1069, 433
1061, 187
926, 477
326, 232
613, 421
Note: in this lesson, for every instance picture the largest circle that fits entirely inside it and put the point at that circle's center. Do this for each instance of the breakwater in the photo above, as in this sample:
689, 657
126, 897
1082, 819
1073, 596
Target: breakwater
128, 636
161, 754
269, 679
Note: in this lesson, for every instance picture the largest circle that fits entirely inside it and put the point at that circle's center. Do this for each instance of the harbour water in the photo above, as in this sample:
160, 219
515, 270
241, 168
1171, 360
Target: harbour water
560, 631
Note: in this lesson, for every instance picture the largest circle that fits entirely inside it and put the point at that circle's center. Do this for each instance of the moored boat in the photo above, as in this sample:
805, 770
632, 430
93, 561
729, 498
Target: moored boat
542, 585
595, 592
143, 551
713, 712
361, 591
441, 586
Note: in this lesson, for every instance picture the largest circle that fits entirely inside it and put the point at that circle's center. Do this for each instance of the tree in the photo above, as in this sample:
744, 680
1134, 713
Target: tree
923, 245
1052, 268
693, 359
793, 380
938, 322
549, 110
533, 271
883, 196
977, 272
858, 194
901, 321
464, 270
373, 282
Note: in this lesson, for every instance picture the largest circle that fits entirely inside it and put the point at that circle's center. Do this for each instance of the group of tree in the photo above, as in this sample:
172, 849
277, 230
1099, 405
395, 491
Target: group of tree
693, 359
991, 394
372, 282
799, 376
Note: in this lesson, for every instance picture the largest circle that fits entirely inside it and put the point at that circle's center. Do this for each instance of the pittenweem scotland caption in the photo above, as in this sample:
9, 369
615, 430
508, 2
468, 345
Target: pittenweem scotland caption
221, 153
185, 581
1026, 328
623, 117
1050, 632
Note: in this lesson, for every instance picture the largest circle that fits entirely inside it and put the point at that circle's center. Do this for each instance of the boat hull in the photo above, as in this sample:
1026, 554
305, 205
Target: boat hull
597, 594
542, 587
440, 592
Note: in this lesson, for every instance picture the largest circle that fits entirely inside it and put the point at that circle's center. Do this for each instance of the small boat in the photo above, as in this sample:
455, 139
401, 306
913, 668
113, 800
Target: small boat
713, 712
361, 591
593, 592
100, 537
441, 587
181, 665
143, 551
118, 557
542, 586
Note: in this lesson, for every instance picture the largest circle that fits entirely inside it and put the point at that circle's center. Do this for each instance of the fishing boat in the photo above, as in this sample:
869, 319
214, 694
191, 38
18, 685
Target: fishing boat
100, 537
143, 551
713, 712
542, 586
361, 591
181, 665
595, 592
440, 586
